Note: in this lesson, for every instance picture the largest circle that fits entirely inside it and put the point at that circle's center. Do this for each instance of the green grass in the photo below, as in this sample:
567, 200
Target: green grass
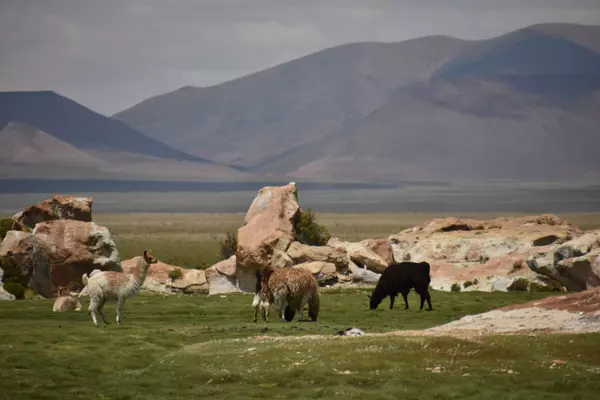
183, 347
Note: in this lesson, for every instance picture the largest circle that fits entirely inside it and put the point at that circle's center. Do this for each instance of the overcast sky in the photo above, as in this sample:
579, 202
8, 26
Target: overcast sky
111, 54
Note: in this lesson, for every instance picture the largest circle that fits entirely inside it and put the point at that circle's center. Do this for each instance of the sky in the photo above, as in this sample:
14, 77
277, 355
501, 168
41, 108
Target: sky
110, 54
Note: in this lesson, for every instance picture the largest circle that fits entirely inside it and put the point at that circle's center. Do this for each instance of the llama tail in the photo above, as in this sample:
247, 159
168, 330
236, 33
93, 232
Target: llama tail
85, 279
314, 304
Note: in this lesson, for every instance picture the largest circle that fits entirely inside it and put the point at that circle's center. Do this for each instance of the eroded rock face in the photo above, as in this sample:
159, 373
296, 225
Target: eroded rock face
325, 272
302, 253
360, 255
221, 277
57, 207
16, 256
381, 247
269, 226
192, 281
66, 249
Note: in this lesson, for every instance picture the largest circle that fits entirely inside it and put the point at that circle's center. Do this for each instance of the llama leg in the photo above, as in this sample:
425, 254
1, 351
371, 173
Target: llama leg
255, 306
101, 311
120, 304
392, 298
93, 306
405, 297
265, 311
302, 306
424, 296
428, 300
281, 304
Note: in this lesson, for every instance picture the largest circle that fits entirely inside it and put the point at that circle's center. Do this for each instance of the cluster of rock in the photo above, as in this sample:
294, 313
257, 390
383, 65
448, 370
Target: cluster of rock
53, 243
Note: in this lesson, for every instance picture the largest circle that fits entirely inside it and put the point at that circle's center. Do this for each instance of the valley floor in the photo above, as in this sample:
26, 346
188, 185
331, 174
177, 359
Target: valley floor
180, 347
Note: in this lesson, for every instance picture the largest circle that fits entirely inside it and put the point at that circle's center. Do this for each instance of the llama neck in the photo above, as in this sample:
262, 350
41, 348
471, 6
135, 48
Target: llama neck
140, 273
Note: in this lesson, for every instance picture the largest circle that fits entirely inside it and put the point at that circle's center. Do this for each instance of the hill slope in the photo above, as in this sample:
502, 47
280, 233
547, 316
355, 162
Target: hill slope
522, 106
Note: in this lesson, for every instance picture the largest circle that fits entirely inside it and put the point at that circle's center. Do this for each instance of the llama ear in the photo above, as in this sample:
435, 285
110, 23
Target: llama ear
146, 253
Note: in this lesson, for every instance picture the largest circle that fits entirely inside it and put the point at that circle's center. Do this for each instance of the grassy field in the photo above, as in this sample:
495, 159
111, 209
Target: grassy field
183, 347
191, 240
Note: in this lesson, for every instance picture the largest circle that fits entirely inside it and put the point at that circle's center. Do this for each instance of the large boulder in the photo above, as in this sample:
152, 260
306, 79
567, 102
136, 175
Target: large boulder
221, 277
381, 247
191, 281
302, 253
268, 228
326, 273
66, 249
4, 295
581, 272
363, 275
55, 208
360, 255
16, 256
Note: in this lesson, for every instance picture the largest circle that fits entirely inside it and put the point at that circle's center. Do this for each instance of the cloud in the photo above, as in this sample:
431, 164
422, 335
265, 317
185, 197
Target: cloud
110, 54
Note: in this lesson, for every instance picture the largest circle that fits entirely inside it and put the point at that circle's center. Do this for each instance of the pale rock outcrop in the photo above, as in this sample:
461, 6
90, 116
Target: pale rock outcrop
157, 279
582, 272
63, 250
325, 272
221, 277
55, 208
302, 253
66, 303
16, 256
4, 295
268, 226
360, 255
362, 275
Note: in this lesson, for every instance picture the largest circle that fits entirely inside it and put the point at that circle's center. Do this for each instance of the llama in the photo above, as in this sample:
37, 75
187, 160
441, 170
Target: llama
105, 285
400, 278
66, 303
290, 289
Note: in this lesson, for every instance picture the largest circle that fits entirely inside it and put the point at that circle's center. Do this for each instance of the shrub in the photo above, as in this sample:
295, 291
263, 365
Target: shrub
483, 259
228, 245
517, 265
5, 226
455, 287
519, 285
15, 289
475, 281
308, 231
175, 273
467, 284
550, 286
406, 257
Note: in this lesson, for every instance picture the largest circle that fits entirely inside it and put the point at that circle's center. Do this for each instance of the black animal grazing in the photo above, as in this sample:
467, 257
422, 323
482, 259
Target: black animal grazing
400, 278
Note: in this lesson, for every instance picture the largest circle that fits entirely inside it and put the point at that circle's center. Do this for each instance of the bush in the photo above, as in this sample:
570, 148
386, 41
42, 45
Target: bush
455, 287
550, 286
517, 265
228, 245
308, 231
475, 281
467, 284
175, 273
519, 285
5, 226
15, 289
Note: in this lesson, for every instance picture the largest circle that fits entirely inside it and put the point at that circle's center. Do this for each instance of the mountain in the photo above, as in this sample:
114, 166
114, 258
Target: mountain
249, 120
44, 134
523, 105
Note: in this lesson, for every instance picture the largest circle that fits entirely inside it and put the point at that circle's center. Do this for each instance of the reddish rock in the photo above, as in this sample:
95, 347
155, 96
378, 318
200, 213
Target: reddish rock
158, 280
57, 207
381, 247
302, 253
16, 256
269, 226
66, 249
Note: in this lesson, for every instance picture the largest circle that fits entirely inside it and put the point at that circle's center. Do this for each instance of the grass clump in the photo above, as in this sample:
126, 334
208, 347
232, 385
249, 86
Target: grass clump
15, 289
455, 287
174, 274
519, 285
228, 245
5, 226
549, 286
467, 284
309, 231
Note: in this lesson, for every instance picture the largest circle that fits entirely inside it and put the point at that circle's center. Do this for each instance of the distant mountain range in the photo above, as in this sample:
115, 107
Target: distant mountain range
45, 135
524, 105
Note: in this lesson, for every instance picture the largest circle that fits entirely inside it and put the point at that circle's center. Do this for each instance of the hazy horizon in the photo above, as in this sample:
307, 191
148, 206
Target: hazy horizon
111, 55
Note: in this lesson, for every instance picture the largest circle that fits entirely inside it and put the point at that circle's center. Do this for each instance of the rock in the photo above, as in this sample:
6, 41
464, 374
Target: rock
4, 295
55, 208
579, 246
363, 275
66, 303
360, 255
501, 284
351, 332
221, 277
325, 272
16, 256
581, 272
381, 247
66, 249
281, 259
302, 253
269, 226
192, 281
